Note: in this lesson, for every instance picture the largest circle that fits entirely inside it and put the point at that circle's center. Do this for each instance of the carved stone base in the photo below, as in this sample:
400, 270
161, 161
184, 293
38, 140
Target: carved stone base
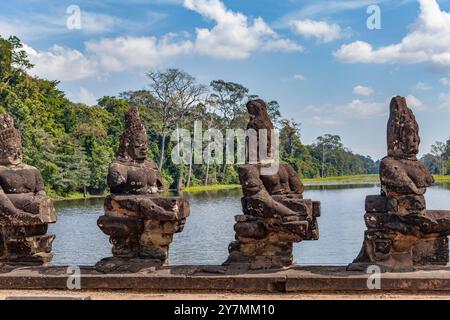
267, 242
28, 245
401, 234
141, 228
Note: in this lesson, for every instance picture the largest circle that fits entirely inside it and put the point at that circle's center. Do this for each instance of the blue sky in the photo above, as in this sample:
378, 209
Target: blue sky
318, 59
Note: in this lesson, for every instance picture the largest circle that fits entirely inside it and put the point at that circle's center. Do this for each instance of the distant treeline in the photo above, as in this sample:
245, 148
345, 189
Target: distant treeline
72, 144
438, 161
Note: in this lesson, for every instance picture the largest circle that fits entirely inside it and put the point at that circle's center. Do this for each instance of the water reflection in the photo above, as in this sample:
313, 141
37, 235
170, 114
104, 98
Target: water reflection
209, 229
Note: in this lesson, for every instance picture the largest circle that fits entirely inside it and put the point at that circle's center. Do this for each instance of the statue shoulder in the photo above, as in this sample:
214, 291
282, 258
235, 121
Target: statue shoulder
152, 164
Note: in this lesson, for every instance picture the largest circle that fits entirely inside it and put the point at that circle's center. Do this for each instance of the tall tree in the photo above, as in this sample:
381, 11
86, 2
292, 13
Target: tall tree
439, 150
327, 145
229, 99
176, 92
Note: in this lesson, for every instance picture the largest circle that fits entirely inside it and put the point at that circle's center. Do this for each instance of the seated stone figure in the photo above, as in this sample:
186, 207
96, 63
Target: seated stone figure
25, 210
140, 223
275, 213
132, 172
401, 234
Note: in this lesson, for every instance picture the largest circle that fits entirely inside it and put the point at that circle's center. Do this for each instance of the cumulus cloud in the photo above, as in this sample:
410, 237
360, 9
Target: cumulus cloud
128, 53
87, 97
60, 63
320, 30
234, 35
422, 86
299, 77
364, 109
414, 103
444, 81
444, 98
427, 42
363, 91
325, 121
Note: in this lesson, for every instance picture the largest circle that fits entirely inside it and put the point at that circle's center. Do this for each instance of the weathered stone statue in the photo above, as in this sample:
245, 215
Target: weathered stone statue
401, 233
25, 210
140, 223
275, 213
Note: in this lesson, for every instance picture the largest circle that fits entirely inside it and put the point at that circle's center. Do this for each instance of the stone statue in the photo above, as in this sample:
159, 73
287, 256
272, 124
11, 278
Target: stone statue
132, 172
401, 233
25, 210
275, 213
140, 223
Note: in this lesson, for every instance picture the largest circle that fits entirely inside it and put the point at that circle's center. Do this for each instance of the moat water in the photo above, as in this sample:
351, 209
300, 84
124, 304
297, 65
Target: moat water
209, 229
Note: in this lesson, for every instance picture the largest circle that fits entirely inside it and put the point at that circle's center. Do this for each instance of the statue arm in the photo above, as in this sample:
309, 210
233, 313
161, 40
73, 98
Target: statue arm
159, 180
40, 187
11, 214
117, 176
295, 183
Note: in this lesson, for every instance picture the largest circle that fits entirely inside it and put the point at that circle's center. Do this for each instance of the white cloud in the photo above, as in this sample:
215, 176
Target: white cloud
324, 121
444, 81
60, 63
422, 86
427, 42
414, 103
320, 30
128, 53
299, 77
87, 97
444, 98
234, 36
363, 91
332, 7
105, 56
364, 109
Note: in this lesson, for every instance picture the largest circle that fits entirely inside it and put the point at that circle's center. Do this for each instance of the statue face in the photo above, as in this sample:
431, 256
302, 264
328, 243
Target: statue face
11, 153
137, 149
411, 140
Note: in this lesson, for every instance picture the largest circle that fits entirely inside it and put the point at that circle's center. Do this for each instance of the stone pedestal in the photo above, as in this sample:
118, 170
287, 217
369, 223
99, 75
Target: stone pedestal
401, 234
266, 242
141, 228
26, 242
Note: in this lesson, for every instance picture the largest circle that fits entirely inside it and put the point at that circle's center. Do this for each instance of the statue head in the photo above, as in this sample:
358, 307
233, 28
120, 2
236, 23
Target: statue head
260, 120
133, 143
10, 143
402, 131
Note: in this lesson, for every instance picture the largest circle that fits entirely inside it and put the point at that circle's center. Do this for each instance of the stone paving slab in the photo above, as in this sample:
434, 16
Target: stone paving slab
218, 279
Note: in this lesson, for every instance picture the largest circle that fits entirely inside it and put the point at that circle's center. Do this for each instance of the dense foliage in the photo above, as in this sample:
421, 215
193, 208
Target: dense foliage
72, 144
438, 161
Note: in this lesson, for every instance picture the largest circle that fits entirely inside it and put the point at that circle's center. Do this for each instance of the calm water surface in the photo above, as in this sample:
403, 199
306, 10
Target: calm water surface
209, 229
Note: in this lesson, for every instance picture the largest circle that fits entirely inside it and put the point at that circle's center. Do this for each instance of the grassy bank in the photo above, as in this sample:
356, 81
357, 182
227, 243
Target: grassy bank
445, 179
340, 180
73, 196
212, 187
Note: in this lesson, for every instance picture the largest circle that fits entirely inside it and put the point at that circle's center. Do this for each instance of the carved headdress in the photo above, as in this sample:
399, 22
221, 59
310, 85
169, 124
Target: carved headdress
133, 129
10, 142
8, 132
402, 131
259, 120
